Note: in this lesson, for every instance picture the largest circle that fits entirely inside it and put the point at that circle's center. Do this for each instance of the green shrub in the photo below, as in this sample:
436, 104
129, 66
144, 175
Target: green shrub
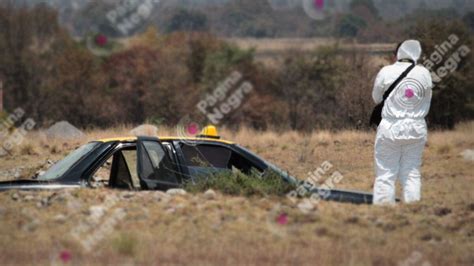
240, 184
125, 244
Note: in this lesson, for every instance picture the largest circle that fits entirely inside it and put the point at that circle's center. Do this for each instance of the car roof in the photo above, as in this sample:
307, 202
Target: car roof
165, 138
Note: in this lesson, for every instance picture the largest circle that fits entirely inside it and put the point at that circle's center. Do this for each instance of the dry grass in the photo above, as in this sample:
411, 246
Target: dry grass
271, 51
304, 44
236, 230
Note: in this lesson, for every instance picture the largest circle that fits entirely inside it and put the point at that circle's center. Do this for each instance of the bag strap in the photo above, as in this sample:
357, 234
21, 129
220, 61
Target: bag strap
394, 84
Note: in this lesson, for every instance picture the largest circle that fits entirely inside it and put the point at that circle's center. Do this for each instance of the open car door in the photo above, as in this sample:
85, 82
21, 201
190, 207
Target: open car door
155, 168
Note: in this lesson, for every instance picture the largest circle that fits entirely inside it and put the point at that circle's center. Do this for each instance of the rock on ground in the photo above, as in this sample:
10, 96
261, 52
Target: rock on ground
306, 206
468, 155
63, 130
96, 212
176, 191
145, 130
210, 194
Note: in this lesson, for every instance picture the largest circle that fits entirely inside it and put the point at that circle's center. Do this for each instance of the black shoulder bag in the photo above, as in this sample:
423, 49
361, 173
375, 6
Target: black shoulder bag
376, 116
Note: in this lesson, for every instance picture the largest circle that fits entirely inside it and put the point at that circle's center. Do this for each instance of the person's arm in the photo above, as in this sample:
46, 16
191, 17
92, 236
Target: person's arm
379, 88
429, 79
429, 82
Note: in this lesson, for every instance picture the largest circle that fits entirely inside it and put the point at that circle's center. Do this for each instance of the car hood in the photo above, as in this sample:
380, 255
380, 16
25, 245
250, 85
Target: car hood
36, 185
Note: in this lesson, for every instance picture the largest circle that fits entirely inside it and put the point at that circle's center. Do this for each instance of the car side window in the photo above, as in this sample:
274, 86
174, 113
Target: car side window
168, 149
118, 171
205, 155
155, 152
239, 163
156, 165
130, 157
204, 159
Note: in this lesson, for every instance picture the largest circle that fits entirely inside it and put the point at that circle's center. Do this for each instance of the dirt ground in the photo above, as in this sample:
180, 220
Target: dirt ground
87, 226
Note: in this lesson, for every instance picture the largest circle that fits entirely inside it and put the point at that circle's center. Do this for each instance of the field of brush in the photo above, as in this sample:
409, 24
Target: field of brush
101, 226
272, 51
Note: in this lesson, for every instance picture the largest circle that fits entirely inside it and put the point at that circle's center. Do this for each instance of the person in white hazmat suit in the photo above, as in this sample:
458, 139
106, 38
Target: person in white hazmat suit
402, 133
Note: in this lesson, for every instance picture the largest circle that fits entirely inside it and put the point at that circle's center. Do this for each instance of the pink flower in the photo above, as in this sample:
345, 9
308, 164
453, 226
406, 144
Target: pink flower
282, 219
409, 93
101, 40
65, 256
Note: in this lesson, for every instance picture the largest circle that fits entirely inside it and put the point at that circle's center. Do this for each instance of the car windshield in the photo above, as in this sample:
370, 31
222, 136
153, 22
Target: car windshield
61, 167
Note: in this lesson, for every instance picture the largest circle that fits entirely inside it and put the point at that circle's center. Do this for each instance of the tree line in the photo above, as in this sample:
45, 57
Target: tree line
161, 77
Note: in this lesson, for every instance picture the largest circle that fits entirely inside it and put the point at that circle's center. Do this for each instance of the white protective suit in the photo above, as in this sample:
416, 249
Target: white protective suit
402, 134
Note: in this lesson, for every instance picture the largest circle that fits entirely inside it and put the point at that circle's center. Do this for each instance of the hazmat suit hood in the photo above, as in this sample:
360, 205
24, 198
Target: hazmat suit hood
410, 49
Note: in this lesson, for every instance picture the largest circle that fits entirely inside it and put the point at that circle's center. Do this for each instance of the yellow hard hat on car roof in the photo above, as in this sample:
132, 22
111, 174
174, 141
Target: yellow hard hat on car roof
209, 132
